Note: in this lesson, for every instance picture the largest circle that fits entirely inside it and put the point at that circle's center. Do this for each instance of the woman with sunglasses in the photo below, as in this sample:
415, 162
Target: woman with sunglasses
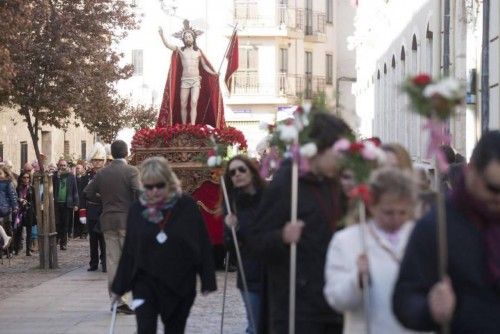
244, 186
26, 214
166, 246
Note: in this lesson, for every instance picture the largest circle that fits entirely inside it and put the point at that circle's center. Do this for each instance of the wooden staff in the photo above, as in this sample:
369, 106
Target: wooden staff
293, 246
365, 278
224, 292
237, 248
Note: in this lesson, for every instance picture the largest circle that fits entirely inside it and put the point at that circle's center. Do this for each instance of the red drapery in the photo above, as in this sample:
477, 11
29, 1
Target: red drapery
210, 106
208, 199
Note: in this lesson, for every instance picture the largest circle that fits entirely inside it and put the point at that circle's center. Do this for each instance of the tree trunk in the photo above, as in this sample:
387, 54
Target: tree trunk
33, 129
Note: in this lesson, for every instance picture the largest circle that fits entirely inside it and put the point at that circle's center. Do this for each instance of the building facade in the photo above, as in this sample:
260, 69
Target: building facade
288, 51
397, 38
16, 144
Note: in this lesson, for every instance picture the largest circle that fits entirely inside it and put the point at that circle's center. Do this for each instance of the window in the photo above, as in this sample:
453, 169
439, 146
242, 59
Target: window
66, 148
283, 60
246, 80
329, 11
309, 17
329, 69
1, 151
84, 149
308, 72
137, 62
24, 153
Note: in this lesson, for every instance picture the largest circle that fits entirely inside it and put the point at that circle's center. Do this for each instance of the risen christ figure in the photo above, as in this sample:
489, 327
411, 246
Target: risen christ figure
190, 80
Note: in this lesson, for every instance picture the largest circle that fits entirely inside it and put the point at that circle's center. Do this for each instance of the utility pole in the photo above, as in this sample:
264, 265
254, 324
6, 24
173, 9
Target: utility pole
485, 69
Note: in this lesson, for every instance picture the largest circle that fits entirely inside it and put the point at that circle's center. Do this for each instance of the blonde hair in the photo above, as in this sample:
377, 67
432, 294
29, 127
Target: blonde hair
394, 181
157, 168
402, 155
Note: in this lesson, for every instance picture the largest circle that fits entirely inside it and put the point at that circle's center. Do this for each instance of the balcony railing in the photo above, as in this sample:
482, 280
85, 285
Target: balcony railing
315, 22
247, 14
286, 85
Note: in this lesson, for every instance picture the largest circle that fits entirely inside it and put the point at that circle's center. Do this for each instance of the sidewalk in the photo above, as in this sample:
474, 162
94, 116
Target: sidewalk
77, 302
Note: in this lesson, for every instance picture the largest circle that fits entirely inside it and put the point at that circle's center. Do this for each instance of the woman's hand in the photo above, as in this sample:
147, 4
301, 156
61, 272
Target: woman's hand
441, 300
115, 298
363, 269
291, 233
231, 220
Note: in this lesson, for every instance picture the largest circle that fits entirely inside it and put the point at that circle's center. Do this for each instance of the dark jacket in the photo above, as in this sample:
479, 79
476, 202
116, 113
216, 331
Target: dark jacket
317, 203
176, 262
8, 198
94, 208
478, 304
72, 198
27, 210
245, 206
81, 183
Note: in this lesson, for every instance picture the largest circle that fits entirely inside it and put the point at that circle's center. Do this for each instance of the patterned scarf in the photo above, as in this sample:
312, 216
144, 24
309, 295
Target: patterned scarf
154, 212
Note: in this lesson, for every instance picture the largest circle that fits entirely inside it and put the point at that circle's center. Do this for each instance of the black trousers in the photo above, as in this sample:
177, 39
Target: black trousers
79, 229
63, 219
307, 327
96, 241
18, 236
159, 299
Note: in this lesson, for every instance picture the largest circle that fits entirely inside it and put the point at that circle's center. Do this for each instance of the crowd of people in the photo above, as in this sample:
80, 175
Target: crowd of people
381, 276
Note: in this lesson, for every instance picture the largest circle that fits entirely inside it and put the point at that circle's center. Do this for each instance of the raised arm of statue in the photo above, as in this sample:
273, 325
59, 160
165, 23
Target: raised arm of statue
167, 44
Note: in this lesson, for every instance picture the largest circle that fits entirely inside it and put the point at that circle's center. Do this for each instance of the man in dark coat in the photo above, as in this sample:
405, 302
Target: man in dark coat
318, 212
82, 179
94, 210
469, 298
66, 200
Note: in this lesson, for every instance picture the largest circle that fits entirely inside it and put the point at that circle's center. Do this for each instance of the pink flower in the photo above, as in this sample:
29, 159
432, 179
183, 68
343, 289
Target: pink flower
341, 145
369, 151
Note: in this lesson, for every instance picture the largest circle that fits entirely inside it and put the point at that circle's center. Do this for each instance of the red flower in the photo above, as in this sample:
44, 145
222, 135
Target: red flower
362, 192
356, 147
422, 80
375, 140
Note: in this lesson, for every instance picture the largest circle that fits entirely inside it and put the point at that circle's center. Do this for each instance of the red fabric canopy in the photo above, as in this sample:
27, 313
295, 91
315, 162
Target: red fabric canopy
210, 106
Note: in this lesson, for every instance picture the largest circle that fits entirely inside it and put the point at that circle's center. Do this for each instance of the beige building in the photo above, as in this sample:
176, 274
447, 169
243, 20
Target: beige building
290, 50
16, 144
398, 38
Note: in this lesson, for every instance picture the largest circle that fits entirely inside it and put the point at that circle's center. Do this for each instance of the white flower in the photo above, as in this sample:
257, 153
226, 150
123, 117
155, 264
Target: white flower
263, 125
369, 151
308, 150
307, 107
218, 160
288, 133
448, 88
212, 161
273, 164
381, 156
263, 145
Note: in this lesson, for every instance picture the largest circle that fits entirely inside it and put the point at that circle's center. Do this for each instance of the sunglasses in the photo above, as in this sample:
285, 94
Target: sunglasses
494, 189
241, 169
159, 185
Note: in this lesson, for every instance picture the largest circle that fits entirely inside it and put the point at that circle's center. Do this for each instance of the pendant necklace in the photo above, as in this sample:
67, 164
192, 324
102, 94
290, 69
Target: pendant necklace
161, 237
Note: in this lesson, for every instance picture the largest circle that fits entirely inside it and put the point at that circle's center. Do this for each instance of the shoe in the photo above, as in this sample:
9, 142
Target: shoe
232, 268
7, 242
92, 269
63, 247
124, 309
28, 254
104, 270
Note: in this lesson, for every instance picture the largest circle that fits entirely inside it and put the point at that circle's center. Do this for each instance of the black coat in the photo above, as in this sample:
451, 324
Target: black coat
29, 209
246, 206
72, 198
176, 262
81, 183
478, 304
315, 197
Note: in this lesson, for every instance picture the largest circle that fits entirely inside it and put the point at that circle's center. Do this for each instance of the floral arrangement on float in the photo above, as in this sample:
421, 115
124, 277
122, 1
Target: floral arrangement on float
162, 137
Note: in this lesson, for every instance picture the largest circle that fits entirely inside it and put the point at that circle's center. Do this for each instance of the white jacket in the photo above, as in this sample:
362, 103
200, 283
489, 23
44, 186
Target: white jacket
341, 288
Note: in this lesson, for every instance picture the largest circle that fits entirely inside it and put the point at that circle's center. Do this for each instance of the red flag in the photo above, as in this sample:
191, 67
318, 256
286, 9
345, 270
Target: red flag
232, 59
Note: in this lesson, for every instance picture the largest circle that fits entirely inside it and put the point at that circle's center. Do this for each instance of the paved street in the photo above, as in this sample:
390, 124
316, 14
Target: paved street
77, 302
